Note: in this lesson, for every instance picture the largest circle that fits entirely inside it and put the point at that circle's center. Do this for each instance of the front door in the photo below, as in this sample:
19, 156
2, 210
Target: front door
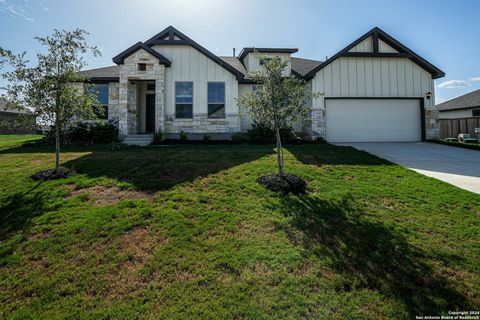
150, 114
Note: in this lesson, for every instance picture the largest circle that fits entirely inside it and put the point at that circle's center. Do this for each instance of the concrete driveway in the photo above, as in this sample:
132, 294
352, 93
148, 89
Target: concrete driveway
457, 166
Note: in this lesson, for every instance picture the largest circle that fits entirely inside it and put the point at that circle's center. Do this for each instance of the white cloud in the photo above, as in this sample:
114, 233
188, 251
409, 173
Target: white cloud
454, 84
17, 12
451, 84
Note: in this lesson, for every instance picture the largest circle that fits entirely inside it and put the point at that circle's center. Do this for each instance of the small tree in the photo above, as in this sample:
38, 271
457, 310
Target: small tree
278, 101
50, 90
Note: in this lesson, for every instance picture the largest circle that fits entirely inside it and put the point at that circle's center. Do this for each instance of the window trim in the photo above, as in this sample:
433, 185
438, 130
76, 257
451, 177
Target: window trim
224, 100
175, 97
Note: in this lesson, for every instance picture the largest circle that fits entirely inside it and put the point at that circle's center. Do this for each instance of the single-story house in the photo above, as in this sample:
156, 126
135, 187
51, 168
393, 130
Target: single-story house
375, 89
465, 106
459, 115
15, 120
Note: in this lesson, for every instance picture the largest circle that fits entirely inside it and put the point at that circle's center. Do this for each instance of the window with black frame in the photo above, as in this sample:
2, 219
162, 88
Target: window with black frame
184, 100
101, 92
216, 100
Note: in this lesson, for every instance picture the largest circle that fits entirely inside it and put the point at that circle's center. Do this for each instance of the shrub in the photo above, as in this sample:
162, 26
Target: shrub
236, 137
183, 136
206, 137
83, 133
157, 137
262, 133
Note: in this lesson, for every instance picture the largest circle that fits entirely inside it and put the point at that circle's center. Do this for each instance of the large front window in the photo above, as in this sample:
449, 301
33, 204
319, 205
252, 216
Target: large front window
101, 93
216, 100
184, 100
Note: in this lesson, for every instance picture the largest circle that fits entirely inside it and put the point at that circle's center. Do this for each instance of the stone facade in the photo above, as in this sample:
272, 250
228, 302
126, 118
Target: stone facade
202, 124
432, 126
127, 97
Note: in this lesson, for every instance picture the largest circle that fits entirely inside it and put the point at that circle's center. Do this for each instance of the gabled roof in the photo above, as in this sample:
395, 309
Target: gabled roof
248, 50
377, 33
467, 101
171, 36
139, 46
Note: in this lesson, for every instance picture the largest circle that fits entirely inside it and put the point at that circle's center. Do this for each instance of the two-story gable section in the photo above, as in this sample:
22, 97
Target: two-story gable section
375, 89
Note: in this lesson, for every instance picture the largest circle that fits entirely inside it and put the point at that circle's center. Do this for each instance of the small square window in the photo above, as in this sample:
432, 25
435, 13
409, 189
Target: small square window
142, 67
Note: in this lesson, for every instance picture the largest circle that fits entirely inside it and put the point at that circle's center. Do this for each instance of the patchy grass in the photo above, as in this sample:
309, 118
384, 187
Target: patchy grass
180, 232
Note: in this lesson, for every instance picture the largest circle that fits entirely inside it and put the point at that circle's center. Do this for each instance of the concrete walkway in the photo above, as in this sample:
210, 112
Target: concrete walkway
457, 166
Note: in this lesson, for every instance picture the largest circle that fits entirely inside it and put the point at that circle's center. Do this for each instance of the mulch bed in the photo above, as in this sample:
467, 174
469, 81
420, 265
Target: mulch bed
287, 183
51, 174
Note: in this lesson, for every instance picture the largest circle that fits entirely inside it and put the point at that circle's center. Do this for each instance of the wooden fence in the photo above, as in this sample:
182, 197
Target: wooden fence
453, 127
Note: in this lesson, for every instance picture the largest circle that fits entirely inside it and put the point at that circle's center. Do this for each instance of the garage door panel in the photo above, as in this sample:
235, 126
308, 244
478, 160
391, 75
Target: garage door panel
373, 120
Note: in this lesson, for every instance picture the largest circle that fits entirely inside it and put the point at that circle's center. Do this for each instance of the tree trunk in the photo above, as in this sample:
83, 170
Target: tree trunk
57, 146
279, 152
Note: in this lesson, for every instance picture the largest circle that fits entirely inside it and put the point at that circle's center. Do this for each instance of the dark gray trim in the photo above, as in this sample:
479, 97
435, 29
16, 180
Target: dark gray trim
119, 59
377, 32
103, 79
158, 39
422, 107
248, 50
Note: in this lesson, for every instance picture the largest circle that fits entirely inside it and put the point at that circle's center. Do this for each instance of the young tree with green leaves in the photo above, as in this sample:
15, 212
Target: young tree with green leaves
50, 91
278, 101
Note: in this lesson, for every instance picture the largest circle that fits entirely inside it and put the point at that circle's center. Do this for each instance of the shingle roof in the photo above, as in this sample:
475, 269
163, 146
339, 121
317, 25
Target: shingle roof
3, 108
105, 73
469, 100
304, 66
235, 62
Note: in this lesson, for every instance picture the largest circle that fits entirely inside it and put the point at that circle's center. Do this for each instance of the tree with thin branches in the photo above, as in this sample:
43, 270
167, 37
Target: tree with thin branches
50, 90
278, 101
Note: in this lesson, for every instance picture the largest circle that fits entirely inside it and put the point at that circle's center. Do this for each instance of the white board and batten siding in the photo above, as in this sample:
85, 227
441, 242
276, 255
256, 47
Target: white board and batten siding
188, 64
372, 77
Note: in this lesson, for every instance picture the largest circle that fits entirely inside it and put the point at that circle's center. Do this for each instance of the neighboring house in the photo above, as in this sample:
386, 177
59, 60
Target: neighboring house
460, 115
14, 120
375, 89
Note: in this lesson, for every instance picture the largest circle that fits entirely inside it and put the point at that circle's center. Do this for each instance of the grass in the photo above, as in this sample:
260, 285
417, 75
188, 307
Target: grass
11, 140
185, 232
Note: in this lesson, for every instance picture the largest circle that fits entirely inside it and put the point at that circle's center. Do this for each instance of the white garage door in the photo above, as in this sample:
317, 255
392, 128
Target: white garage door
373, 120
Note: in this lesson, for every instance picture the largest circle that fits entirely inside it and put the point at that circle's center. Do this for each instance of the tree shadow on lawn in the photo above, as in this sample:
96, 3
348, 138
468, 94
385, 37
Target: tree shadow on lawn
370, 255
328, 154
17, 209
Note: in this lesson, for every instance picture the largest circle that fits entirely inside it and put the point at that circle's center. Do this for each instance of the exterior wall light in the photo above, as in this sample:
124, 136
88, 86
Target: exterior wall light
428, 95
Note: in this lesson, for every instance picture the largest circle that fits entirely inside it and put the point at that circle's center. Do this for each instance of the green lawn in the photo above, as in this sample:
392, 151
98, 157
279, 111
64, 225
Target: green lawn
11, 140
185, 232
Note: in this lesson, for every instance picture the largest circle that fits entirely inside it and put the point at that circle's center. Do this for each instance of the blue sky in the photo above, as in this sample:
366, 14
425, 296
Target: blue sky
444, 32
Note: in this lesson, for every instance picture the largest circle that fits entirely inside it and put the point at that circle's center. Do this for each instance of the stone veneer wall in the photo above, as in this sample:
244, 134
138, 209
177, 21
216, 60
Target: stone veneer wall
127, 97
202, 124
432, 125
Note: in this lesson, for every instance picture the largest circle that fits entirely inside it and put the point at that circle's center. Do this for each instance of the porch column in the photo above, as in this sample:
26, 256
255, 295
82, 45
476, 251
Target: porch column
122, 107
160, 100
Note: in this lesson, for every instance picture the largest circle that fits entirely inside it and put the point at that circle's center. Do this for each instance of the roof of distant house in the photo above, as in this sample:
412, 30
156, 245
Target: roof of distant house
467, 101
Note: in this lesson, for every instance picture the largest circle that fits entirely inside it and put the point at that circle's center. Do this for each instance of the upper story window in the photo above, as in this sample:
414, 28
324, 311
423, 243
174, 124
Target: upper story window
264, 60
476, 112
142, 67
216, 100
101, 92
184, 100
